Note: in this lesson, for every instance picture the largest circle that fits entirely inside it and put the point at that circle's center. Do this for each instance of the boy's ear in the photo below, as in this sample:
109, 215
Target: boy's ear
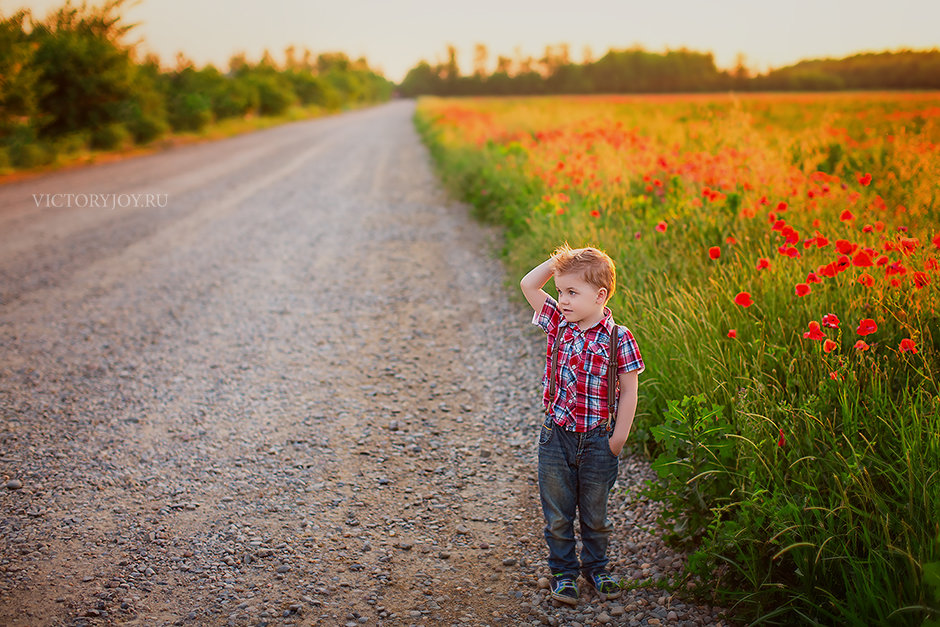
602, 295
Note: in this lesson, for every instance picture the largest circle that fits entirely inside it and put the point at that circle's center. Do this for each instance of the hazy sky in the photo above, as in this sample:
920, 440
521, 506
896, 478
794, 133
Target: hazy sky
394, 35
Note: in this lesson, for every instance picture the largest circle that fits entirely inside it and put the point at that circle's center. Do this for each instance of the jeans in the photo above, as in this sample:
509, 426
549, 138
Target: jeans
576, 470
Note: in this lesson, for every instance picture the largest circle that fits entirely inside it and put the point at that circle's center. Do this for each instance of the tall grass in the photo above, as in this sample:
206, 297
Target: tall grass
801, 467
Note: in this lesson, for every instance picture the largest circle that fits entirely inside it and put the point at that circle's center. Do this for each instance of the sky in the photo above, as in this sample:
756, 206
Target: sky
395, 35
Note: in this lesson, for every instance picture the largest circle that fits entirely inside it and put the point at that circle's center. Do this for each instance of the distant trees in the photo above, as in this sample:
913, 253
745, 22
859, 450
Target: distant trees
69, 82
638, 71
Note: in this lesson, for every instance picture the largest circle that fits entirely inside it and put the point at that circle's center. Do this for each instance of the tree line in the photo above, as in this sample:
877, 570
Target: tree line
69, 83
638, 71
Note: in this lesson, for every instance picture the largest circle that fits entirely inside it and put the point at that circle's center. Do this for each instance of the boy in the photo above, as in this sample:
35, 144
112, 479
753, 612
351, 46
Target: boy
580, 442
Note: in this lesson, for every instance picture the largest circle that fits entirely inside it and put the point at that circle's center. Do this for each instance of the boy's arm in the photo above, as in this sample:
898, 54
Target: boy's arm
626, 409
532, 283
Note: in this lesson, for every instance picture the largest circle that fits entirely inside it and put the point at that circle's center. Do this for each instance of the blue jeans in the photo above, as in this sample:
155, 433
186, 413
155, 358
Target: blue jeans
576, 470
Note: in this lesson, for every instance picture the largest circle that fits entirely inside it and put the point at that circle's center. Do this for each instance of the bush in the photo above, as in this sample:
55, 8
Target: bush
190, 112
274, 93
110, 137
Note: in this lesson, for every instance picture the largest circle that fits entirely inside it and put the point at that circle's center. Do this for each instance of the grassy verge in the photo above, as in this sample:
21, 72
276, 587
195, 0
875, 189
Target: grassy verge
777, 260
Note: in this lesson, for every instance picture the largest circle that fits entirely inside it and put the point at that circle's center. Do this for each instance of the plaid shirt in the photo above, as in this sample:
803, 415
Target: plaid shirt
580, 402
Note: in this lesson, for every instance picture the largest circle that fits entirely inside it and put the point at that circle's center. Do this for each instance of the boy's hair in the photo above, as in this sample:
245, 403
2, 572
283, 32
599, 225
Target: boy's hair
593, 265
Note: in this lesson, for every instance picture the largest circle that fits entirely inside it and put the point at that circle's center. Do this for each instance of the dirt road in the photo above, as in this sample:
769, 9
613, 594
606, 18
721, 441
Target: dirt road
275, 379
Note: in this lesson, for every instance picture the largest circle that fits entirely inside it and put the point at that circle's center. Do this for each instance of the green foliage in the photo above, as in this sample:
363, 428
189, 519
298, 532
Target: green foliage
808, 482
68, 83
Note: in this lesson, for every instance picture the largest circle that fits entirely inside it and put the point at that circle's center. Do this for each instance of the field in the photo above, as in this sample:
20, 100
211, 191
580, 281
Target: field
778, 263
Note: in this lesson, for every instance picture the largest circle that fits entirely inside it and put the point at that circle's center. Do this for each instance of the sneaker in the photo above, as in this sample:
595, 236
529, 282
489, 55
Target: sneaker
564, 589
605, 585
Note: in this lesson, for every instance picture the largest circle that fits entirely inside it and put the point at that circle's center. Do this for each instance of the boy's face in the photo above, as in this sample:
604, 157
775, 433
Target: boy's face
581, 303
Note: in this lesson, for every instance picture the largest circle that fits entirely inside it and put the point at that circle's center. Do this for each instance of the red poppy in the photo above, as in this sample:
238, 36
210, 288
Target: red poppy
781, 440
831, 321
661, 227
907, 346
862, 259
936, 240
813, 278
834, 376
846, 216
743, 299
908, 245
868, 228
842, 263
815, 332
846, 247
828, 270
802, 289
714, 252
931, 264
730, 240
595, 213
781, 206
865, 180
861, 345
763, 263
921, 280
732, 334
829, 346
867, 280
821, 241
866, 326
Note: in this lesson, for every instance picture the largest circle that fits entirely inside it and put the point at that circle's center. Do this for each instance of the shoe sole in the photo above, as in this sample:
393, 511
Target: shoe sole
607, 597
564, 599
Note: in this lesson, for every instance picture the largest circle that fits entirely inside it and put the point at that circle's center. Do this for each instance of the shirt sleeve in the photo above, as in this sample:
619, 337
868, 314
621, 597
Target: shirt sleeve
549, 317
628, 358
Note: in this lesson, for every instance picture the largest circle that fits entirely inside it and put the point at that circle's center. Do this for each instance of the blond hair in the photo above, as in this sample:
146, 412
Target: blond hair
591, 264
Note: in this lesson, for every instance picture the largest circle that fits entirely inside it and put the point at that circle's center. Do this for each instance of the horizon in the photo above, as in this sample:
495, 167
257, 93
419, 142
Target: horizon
395, 39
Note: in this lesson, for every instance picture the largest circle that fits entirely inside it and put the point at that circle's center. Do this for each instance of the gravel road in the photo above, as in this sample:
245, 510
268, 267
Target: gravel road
295, 389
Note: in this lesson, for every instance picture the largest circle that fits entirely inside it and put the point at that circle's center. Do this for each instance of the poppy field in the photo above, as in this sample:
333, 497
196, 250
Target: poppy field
778, 261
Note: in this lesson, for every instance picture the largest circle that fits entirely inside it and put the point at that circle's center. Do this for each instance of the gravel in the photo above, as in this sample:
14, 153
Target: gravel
304, 392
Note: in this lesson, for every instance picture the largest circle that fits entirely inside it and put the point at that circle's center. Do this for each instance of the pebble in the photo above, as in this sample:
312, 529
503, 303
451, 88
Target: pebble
13, 484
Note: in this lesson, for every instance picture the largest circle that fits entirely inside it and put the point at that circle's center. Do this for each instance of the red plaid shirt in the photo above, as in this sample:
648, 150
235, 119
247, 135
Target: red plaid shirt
580, 402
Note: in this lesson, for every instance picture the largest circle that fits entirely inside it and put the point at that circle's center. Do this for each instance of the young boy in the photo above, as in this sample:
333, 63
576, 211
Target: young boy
580, 442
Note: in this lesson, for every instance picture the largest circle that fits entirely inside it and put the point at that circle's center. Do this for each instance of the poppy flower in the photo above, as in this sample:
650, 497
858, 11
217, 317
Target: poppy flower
921, 280
936, 240
730, 240
802, 289
846, 216
862, 259
815, 332
867, 280
861, 345
732, 334
831, 321
781, 440
595, 213
813, 278
743, 299
868, 228
907, 346
834, 376
661, 227
829, 346
781, 206
763, 263
866, 326
846, 247
931, 264
714, 252
865, 180
821, 241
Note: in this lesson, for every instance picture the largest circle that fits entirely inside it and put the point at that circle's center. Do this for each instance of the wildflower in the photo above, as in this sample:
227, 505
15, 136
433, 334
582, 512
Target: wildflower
781, 440
936, 240
867, 280
846, 216
815, 332
714, 252
865, 180
921, 280
868, 228
730, 240
862, 259
763, 263
831, 321
813, 278
846, 247
802, 289
661, 227
907, 346
861, 345
732, 334
781, 206
637, 235
595, 213
743, 299
866, 326
829, 346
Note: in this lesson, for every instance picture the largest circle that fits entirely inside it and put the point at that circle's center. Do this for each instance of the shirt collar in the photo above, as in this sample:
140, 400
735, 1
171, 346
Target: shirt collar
607, 322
